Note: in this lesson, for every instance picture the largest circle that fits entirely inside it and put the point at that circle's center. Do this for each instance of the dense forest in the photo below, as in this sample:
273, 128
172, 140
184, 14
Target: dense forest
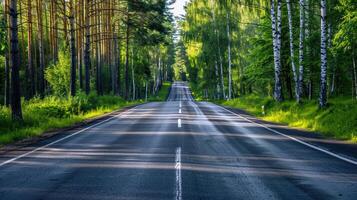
286, 49
75, 51
67, 48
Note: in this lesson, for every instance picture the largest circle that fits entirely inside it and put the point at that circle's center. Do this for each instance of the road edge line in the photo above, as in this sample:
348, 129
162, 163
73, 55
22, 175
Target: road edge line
64, 138
293, 138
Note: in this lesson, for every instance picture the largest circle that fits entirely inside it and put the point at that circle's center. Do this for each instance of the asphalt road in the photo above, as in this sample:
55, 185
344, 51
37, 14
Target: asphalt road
179, 149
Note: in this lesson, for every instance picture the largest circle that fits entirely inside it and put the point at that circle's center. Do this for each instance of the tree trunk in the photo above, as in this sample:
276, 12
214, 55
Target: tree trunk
118, 49
292, 53
132, 73
354, 71
146, 91
29, 72
276, 32
73, 49
127, 59
7, 57
116, 66
219, 50
301, 48
87, 61
229, 59
41, 76
323, 78
218, 88
15, 63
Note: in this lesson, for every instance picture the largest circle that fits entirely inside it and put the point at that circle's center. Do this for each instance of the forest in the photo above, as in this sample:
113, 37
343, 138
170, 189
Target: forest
72, 59
64, 58
295, 57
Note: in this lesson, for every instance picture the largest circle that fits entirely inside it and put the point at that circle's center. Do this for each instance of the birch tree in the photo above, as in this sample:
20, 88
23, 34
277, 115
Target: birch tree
276, 33
301, 49
229, 59
323, 75
292, 53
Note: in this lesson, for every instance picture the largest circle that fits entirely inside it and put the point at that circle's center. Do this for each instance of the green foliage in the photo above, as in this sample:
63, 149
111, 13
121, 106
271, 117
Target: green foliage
162, 94
337, 121
58, 75
53, 112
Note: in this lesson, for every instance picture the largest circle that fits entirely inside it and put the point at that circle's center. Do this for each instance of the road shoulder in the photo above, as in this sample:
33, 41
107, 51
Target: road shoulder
339, 147
28, 144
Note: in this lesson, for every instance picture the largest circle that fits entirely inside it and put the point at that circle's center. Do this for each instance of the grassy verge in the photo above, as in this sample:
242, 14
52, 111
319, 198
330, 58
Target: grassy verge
51, 113
338, 121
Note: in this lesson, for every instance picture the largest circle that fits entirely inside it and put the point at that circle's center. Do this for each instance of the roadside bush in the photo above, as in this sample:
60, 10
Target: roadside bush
58, 75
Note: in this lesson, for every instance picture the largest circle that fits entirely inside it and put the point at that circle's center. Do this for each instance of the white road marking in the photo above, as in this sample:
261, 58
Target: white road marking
180, 104
180, 111
179, 123
64, 138
178, 174
295, 139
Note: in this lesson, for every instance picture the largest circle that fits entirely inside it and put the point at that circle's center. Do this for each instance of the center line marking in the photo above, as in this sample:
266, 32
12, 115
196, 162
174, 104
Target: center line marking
180, 104
180, 111
178, 174
179, 123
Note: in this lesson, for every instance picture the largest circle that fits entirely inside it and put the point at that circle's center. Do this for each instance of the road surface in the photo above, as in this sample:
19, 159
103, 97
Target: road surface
179, 149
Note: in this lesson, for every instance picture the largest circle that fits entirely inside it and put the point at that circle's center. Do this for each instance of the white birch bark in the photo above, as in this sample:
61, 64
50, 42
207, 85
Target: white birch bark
229, 60
292, 53
301, 49
216, 70
276, 32
323, 75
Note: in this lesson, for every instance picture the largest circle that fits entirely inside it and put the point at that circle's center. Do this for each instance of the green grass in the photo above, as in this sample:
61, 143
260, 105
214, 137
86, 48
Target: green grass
162, 94
338, 120
51, 113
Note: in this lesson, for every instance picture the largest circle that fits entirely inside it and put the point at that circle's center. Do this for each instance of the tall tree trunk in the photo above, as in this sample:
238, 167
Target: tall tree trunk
127, 58
73, 49
292, 53
276, 32
216, 72
30, 72
229, 59
308, 49
118, 49
87, 61
219, 49
55, 32
323, 78
7, 57
133, 73
301, 47
41, 76
15, 63
354, 70
116, 66
80, 42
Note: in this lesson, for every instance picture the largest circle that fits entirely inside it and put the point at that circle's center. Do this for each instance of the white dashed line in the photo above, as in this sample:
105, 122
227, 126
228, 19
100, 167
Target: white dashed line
179, 123
178, 174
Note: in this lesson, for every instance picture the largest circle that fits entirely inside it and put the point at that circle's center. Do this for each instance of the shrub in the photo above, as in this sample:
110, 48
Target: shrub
58, 75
